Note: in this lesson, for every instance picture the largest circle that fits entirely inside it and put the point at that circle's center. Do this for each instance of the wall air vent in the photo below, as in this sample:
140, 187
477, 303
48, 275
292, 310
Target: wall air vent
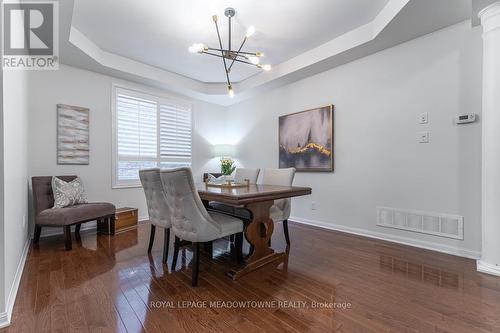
444, 225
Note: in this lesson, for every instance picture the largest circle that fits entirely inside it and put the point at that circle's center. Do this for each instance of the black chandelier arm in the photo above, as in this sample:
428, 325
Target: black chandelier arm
222, 53
219, 56
240, 53
237, 53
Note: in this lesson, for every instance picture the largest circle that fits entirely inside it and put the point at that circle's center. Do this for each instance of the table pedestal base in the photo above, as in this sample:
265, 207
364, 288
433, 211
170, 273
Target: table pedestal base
236, 273
258, 233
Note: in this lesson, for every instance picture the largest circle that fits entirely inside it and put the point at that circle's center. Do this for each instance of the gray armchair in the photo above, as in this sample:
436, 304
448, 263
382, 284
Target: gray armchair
159, 213
190, 219
280, 210
240, 176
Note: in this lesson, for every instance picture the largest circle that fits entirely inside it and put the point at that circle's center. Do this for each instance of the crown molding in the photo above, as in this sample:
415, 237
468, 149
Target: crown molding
291, 70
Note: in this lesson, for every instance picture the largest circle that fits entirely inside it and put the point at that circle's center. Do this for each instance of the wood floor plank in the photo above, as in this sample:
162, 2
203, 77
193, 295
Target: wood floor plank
111, 284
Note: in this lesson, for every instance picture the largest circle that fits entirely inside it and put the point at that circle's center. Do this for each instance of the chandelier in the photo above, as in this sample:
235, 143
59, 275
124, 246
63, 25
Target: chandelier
230, 56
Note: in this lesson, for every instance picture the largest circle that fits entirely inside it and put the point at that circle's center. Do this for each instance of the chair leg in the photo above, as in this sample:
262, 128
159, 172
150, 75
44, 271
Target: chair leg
166, 243
77, 231
38, 231
176, 252
67, 236
231, 238
285, 229
209, 248
151, 237
239, 247
196, 264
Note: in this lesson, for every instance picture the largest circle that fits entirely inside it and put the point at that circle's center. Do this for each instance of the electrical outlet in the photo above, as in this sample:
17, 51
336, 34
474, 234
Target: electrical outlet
313, 205
423, 137
423, 118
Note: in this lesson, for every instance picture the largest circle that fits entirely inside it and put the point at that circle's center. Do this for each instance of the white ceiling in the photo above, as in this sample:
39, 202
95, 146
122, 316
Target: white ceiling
398, 21
159, 32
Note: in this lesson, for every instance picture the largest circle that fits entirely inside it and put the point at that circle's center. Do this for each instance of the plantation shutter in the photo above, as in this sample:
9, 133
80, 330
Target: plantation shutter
175, 135
136, 122
150, 132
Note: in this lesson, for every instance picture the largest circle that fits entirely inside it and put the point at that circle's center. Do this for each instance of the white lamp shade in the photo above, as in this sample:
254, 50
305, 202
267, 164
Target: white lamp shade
223, 150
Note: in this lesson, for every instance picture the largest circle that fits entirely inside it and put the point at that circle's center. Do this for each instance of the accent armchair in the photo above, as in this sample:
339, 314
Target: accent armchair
46, 216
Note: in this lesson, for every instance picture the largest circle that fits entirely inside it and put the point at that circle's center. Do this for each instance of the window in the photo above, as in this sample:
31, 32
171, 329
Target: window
149, 132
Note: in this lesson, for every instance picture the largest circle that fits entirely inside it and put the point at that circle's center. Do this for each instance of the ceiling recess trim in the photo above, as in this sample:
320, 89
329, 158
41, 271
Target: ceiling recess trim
217, 92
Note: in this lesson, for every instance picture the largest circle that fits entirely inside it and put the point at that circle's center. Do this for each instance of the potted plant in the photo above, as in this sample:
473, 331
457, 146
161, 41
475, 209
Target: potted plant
227, 167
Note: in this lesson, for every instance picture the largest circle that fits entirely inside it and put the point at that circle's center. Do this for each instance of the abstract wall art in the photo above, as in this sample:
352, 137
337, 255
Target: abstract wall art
306, 140
72, 134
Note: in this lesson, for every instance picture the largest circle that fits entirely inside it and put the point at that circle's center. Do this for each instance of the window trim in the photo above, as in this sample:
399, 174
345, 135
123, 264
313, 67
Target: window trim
155, 96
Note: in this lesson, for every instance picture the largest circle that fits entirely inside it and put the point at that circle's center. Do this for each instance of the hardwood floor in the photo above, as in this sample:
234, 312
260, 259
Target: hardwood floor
110, 284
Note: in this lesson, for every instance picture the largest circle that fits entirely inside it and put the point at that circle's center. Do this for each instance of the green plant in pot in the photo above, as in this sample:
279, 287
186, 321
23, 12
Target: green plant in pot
227, 166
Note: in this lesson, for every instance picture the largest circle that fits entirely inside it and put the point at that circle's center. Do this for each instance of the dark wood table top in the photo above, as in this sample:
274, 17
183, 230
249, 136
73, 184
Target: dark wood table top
250, 194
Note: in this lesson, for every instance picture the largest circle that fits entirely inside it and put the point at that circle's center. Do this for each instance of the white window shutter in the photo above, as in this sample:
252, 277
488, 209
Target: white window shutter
150, 132
175, 135
136, 131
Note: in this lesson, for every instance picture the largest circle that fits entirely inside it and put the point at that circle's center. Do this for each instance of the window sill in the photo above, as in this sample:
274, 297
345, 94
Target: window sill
117, 187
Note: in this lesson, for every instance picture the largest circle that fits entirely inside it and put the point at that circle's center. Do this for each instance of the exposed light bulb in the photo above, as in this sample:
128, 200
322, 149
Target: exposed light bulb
266, 67
230, 91
250, 31
197, 48
259, 54
254, 60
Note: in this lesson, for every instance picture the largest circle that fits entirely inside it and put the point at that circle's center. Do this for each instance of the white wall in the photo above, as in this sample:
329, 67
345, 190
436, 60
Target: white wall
377, 158
78, 87
2, 217
15, 177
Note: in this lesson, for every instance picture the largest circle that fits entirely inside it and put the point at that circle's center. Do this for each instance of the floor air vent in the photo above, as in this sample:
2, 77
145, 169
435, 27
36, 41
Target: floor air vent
444, 225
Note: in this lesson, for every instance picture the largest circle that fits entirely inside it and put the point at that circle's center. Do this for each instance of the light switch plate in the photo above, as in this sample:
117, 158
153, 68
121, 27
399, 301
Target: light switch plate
423, 118
423, 137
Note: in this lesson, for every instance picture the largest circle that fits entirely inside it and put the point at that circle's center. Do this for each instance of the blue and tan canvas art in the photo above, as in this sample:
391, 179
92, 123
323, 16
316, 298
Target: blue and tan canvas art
72, 134
306, 140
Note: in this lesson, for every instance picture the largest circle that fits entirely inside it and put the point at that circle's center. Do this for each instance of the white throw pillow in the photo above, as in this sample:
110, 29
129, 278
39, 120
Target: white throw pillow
68, 193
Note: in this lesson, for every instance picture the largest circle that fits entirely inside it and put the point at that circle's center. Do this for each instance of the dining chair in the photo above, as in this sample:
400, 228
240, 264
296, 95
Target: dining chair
190, 219
159, 212
280, 211
240, 176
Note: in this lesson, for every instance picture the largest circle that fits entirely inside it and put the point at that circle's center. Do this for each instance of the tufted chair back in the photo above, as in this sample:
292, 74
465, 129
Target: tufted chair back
190, 219
159, 213
240, 174
280, 177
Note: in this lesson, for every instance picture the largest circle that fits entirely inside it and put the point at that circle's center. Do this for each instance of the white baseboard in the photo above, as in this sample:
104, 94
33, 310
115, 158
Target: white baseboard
487, 268
393, 238
6, 316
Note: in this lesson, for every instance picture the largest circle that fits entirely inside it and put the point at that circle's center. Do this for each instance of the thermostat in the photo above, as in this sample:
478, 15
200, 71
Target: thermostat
465, 118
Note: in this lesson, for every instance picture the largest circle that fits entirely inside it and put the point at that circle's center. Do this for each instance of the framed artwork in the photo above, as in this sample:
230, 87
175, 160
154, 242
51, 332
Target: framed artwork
306, 140
72, 134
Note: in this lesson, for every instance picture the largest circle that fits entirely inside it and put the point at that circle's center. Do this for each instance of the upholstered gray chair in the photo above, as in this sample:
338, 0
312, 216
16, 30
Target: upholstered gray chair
159, 213
240, 176
280, 210
190, 219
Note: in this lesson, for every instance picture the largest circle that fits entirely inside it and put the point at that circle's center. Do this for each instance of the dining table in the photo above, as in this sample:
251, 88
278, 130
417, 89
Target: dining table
257, 199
